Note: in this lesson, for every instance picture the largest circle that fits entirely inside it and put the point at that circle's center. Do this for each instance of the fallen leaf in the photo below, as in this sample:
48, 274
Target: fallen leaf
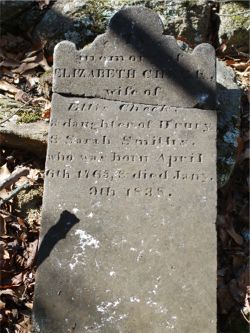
223, 47
241, 66
22, 96
5, 86
2, 305
32, 251
9, 292
7, 72
236, 237
43, 63
24, 67
34, 174
43, 3
3, 229
31, 80
4, 172
6, 255
10, 63
17, 280
36, 58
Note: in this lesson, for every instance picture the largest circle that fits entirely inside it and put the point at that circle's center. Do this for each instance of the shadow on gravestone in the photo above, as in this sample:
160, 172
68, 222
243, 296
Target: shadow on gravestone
193, 74
104, 283
149, 43
57, 232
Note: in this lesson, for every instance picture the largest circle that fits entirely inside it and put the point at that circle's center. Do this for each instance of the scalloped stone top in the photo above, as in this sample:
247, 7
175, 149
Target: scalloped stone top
134, 62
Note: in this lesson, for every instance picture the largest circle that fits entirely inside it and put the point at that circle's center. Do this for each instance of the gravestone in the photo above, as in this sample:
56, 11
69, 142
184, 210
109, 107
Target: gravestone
128, 240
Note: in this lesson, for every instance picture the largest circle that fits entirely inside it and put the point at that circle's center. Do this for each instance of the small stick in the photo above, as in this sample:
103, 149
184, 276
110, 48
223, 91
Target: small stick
13, 113
15, 192
16, 174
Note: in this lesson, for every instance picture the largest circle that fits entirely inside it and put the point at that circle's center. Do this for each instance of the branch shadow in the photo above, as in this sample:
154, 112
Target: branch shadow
149, 45
57, 232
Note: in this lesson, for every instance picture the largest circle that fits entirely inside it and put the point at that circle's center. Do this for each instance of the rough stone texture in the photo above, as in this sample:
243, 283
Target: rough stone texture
229, 95
75, 21
31, 137
128, 240
180, 78
234, 29
80, 21
27, 136
120, 252
186, 19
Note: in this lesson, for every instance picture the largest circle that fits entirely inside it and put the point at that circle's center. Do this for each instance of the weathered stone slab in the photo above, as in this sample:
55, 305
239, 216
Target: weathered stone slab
128, 241
135, 62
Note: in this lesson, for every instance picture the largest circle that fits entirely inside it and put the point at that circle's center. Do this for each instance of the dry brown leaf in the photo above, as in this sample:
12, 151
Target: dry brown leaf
40, 101
43, 3
246, 309
8, 292
31, 80
230, 62
236, 237
29, 305
3, 229
241, 66
24, 67
17, 280
21, 96
5, 86
32, 62
35, 58
2, 305
34, 174
10, 63
32, 251
6, 255
4, 172
43, 63
46, 111
33, 52
223, 47
7, 72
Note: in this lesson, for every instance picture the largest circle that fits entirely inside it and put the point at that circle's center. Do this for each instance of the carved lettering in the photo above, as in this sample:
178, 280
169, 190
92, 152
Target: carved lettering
118, 157
103, 191
107, 73
71, 139
149, 141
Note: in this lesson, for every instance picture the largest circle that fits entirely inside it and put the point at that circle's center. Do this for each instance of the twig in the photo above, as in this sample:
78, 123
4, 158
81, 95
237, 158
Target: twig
19, 172
15, 192
243, 54
15, 112
245, 317
246, 309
